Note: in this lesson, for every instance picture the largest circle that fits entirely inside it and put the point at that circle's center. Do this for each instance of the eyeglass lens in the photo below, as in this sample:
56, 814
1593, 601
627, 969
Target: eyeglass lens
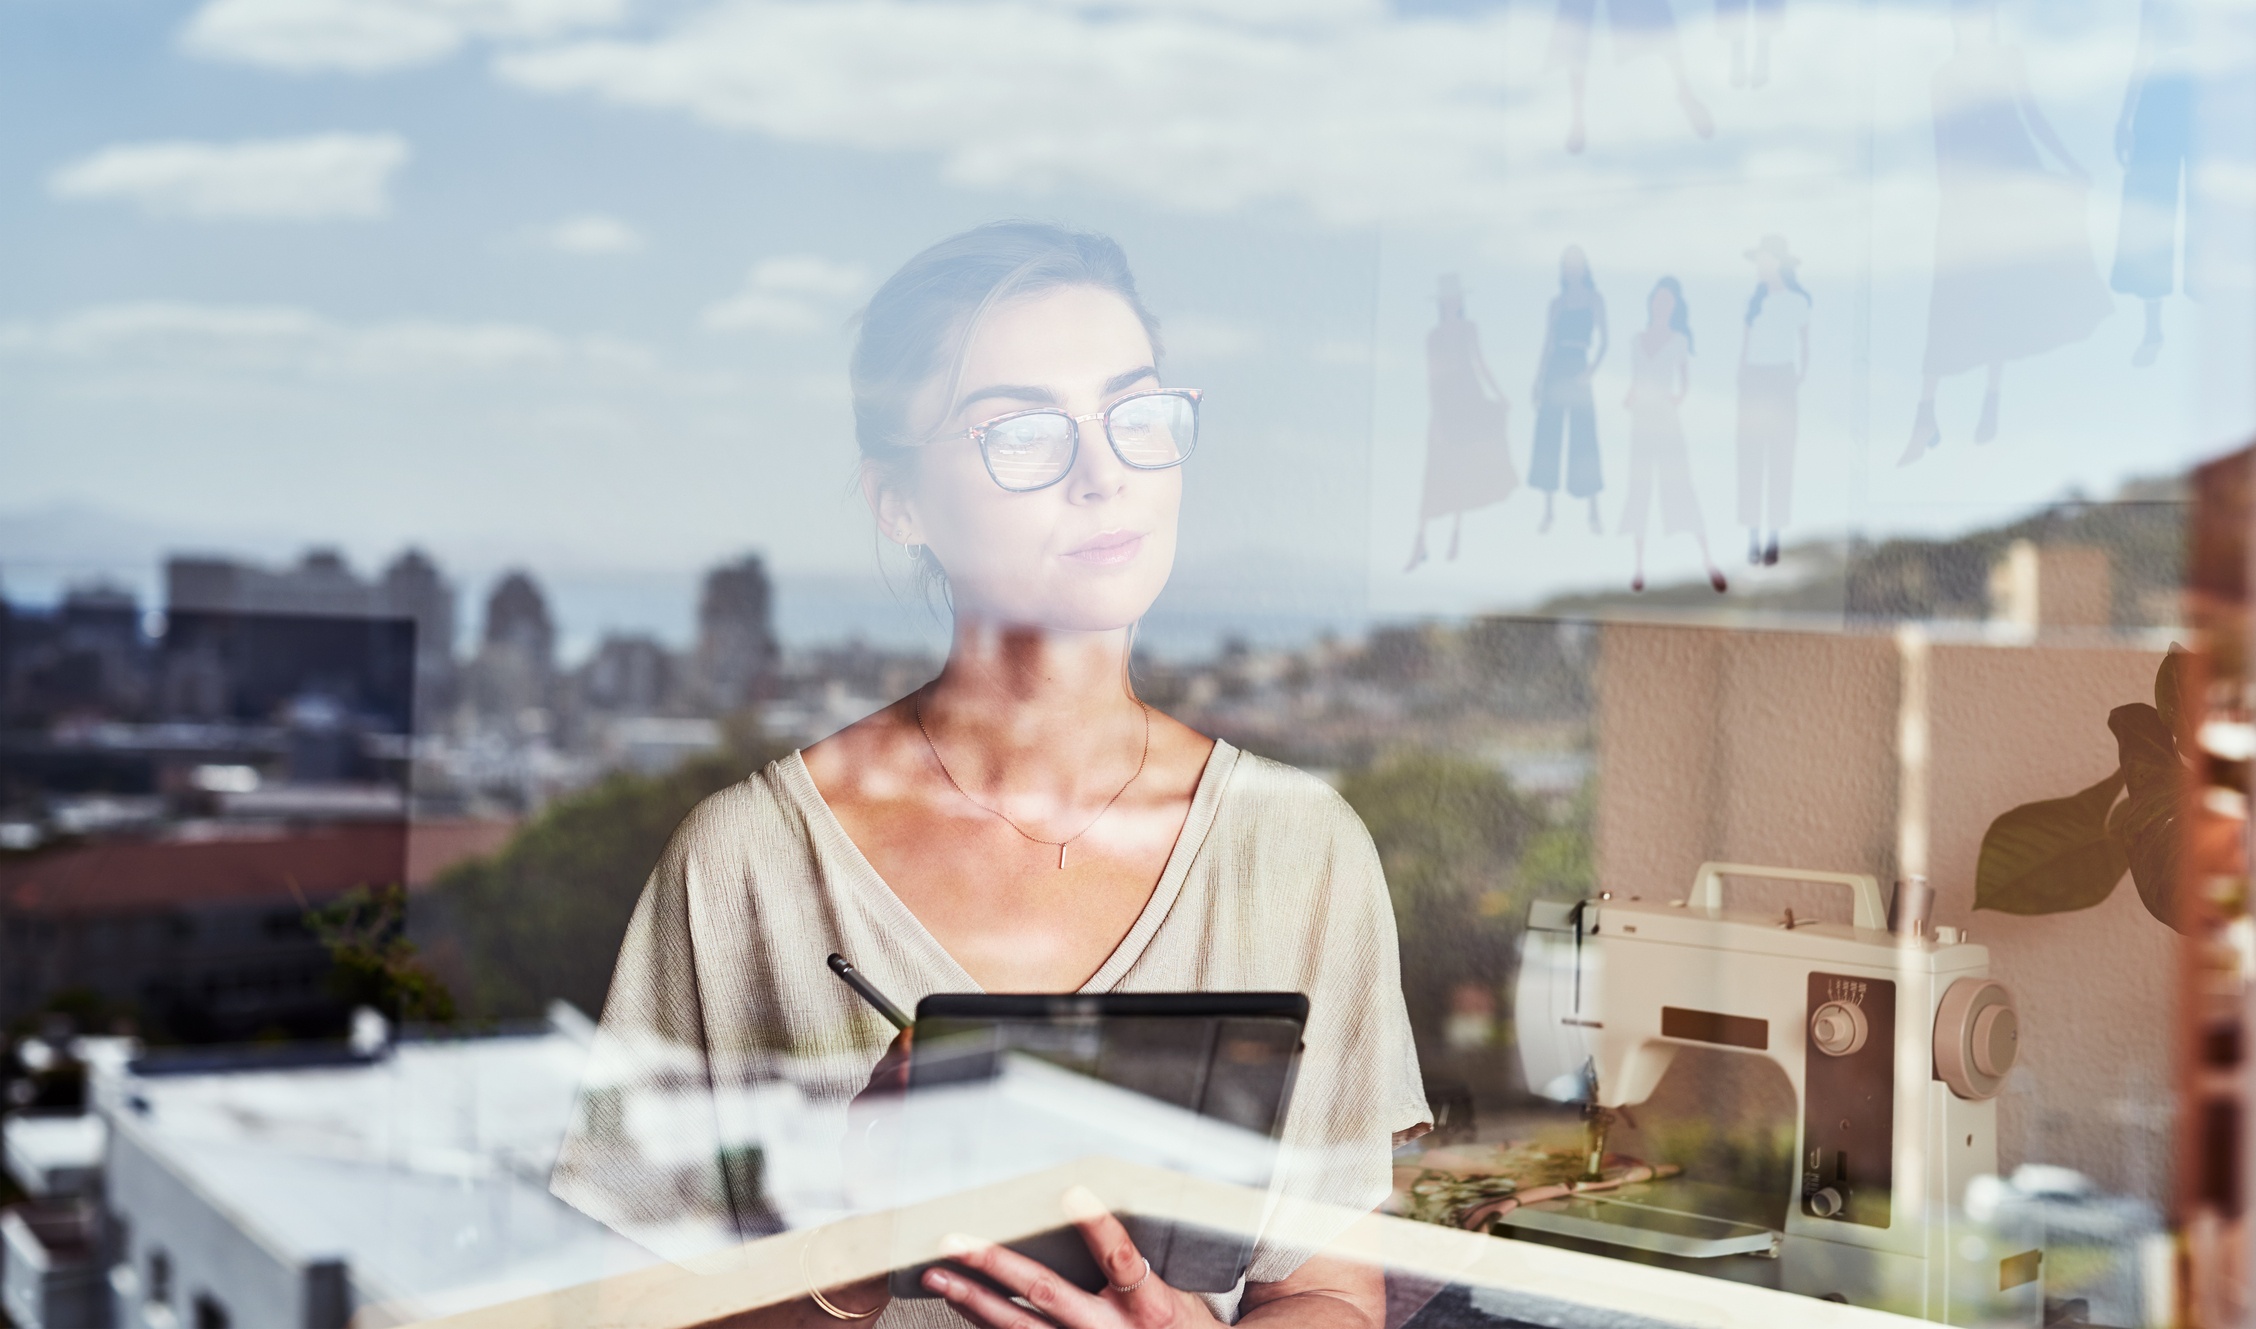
1035, 450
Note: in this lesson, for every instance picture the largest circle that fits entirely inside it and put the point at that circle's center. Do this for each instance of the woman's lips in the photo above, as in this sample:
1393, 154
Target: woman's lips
1107, 550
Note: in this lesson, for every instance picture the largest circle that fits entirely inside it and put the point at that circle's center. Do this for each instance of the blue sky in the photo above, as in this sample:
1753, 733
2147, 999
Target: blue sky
562, 282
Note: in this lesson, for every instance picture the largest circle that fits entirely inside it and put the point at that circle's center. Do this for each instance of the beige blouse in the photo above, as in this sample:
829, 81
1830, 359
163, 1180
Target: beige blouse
723, 1017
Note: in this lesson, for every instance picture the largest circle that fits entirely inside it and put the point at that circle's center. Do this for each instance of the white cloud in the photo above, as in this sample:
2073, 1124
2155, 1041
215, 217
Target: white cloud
592, 234
284, 339
1339, 108
791, 293
371, 36
284, 179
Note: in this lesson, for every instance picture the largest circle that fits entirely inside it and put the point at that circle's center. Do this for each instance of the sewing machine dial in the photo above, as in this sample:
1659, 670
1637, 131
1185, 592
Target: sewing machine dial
1839, 1028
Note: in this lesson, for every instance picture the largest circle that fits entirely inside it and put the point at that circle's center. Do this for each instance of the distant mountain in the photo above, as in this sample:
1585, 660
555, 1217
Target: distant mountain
45, 550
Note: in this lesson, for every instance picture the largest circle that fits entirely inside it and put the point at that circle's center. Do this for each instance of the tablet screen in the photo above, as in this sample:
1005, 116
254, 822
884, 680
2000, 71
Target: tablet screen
1197, 1083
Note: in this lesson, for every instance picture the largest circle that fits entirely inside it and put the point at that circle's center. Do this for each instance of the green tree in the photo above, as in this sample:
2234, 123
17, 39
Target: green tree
1451, 834
376, 965
542, 919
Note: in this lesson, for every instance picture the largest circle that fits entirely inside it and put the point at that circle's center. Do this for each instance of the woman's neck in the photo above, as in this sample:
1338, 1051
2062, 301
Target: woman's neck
1019, 707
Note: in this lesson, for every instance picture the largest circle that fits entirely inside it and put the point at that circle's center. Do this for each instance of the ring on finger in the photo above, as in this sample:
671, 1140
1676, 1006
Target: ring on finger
1124, 1291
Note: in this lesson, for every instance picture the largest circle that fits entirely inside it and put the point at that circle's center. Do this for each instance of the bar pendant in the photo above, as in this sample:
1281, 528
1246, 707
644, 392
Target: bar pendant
1061, 857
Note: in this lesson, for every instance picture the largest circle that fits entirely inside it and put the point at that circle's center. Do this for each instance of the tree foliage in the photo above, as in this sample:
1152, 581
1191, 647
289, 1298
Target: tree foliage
543, 918
1464, 853
365, 933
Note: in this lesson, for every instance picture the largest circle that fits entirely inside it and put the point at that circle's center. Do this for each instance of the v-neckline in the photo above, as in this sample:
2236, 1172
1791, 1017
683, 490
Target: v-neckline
830, 834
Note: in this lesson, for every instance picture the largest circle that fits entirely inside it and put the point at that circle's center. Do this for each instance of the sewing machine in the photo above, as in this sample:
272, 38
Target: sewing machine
1895, 1041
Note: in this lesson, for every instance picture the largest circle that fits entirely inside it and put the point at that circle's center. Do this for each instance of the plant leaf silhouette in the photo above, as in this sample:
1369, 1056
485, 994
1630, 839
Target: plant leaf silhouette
2169, 685
2053, 856
2146, 826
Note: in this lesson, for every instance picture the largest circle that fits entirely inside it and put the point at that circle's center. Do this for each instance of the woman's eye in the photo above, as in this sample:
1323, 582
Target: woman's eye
1020, 436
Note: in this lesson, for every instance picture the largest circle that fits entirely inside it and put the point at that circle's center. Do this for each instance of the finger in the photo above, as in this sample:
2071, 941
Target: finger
890, 1077
1027, 1278
981, 1305
1114, 1250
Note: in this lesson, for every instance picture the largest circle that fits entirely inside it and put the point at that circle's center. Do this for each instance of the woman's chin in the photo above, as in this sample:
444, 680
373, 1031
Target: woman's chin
1080, 614
1085, 600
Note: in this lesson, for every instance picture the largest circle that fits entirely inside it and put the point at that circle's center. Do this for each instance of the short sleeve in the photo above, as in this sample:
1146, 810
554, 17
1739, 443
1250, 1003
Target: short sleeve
1359, 1088
645, 1153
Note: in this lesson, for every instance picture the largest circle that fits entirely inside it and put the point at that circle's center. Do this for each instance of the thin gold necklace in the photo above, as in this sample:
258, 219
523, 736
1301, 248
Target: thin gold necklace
916, 706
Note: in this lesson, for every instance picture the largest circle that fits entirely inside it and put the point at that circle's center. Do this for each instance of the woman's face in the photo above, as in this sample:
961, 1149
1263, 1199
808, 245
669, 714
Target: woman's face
1087, 554
1573, 266
1662, 306
1767, 270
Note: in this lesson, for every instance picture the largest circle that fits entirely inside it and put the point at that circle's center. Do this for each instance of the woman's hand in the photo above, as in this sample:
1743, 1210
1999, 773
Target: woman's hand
870, 1152
890, 1077
1134, 1299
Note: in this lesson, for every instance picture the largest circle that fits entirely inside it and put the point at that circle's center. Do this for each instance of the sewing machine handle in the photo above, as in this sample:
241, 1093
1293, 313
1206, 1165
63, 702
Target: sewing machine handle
1871, 910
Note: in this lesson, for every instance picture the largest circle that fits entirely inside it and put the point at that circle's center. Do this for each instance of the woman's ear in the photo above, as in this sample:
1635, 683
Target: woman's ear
895, 514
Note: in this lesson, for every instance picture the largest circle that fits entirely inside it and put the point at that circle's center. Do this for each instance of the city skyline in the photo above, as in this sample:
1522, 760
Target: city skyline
573, 286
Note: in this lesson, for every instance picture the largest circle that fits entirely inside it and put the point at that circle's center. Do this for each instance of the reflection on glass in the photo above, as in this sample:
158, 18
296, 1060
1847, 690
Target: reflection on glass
2154, 146
1023, 823
2013, 267
1659, 375
1640, 29
1468, 452
1773, 361
301, 906
1741, 22
1575, 341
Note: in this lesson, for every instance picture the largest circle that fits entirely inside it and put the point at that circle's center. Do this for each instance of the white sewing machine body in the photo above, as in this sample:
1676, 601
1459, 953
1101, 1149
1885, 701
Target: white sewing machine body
1889, 1129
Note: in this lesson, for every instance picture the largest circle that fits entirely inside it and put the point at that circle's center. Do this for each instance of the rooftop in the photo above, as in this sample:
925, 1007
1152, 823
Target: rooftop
240, 868
52, 1153
424, 1171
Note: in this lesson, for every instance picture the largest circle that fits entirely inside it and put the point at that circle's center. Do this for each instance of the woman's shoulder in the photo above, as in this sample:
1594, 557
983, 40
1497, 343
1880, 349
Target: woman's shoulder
756, 815
1273, 798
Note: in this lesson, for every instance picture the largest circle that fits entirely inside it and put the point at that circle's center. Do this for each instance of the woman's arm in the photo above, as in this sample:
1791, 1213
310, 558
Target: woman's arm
1605, 335
1326, 1292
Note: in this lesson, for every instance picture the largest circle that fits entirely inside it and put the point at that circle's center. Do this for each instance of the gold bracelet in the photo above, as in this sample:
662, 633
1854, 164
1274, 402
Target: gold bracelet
823, 1303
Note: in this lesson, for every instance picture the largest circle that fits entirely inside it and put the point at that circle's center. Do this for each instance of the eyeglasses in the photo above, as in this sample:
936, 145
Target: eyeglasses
1030, 450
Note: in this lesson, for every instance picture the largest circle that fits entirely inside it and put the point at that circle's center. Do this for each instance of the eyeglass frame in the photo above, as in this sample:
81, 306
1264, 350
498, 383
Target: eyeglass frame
978, 435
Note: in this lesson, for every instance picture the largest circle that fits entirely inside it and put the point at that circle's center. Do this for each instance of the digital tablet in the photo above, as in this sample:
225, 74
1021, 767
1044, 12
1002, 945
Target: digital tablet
1005, 1085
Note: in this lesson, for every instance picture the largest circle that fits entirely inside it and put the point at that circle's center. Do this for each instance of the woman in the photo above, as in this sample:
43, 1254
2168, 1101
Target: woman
1640, 28
1021, 824
1468, 457
2013, 264
1773, 361
1564, 409
1660, 373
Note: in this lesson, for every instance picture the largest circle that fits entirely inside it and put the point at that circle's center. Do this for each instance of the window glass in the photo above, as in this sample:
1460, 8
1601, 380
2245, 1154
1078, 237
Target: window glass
1594, 650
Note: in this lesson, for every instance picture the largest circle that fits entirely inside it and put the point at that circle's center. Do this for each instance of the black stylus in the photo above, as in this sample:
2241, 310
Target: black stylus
869, 991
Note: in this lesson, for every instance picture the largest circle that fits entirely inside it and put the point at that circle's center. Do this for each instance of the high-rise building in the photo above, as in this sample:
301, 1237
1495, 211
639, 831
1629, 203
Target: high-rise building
517, 661
413, 588
736, 645
86, 657
317, 626
517, 617
628, 675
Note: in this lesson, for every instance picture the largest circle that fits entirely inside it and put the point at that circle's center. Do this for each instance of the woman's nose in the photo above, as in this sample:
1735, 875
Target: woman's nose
1097, 473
